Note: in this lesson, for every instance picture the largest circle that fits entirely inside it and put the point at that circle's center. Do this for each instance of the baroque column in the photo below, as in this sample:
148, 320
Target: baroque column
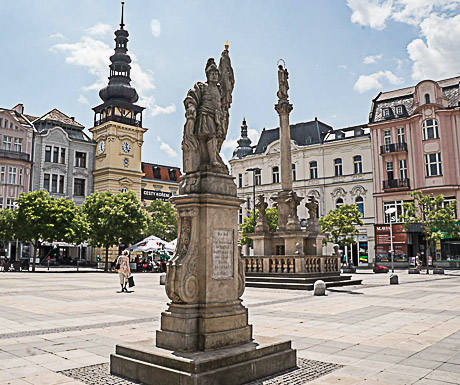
287, 200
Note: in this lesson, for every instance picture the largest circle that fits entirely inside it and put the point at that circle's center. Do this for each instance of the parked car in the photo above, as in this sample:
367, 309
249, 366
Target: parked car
381, 269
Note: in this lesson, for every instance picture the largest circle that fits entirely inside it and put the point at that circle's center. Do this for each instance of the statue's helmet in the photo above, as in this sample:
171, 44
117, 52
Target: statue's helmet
211, 66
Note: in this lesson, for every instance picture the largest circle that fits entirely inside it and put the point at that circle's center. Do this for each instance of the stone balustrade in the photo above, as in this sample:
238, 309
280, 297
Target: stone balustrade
291, 264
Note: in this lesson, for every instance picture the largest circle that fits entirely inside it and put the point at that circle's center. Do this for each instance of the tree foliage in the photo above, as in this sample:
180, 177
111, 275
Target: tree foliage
114, 219
340, 225
436, 216
7, 225
162, 221
247, 227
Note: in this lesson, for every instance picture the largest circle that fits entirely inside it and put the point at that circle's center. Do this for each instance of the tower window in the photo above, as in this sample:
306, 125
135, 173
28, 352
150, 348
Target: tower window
427, 99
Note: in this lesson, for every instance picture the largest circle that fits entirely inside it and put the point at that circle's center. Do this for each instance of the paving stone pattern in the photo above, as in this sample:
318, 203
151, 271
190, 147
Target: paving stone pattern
307, 370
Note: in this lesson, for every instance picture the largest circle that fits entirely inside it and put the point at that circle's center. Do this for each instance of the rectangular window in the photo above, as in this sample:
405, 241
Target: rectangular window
430, 129
61, 184
358, 164
293, 173
20, 176
240, 180
80, 159
62, 161
1, 202
258, 177
2, 174
314, 170
47, 153
7, 143
10, 203
338, 167
386, 112
389, 167
401, 135
433, 164
399, 110
240, 215
12, 175
18, 144
403, 169
79, 187
387, 139
54, 183
46, 182
56, 155
399, 211
6, 123
276, 174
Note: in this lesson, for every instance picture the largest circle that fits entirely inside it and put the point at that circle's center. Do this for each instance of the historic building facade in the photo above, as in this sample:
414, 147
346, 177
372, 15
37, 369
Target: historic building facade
16, 147
63, 157
334, 165
415, 137
159, 182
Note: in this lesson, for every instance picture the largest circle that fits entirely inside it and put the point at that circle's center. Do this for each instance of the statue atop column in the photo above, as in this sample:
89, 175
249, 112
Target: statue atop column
283, 85
207, 116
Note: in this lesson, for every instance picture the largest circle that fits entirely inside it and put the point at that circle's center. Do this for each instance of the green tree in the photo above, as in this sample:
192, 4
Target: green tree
114, 219
247, 227
340, 225
436, 216
162, 221
7, 225
35, 219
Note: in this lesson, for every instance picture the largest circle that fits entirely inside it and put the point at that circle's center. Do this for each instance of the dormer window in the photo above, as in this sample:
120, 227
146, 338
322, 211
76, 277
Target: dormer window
339, 135
399, 110
172, 174
386, 112
359, 131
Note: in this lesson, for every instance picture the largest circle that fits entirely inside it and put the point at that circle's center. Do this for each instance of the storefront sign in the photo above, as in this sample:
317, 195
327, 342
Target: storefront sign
153, 195
383, 243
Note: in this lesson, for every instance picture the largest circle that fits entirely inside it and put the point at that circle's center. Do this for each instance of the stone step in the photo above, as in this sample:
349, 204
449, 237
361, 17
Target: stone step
301, 286
276, 279
293, 275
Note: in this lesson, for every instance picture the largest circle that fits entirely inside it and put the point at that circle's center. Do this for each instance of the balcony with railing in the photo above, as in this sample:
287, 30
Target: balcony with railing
396, 184
16, 155
393, 148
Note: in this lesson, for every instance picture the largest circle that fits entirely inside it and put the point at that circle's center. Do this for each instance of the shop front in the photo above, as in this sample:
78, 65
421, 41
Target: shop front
383, 245
358, 253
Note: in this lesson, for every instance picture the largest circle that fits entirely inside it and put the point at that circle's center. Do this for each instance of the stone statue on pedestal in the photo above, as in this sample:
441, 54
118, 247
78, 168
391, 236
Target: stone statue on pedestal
312, 207
207, 115
262, 223
283, 85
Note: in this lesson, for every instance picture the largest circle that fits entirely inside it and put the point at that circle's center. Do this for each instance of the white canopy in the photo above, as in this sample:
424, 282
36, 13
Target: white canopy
171, 246
151, 243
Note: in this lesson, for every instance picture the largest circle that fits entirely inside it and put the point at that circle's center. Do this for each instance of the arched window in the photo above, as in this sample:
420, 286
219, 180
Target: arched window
358, 164
430, 129
338, 203
360, 204
276, 174
314, 170
338, 167
427, 99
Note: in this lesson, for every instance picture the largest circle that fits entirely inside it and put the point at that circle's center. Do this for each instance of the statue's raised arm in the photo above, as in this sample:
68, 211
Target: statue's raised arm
226, 82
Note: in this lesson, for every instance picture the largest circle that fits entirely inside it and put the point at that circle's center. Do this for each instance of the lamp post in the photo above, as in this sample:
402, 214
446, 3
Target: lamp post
253, 169
391, 212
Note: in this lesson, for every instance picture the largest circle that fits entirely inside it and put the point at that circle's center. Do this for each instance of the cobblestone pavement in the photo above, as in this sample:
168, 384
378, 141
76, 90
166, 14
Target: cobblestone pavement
378, 334
307, 370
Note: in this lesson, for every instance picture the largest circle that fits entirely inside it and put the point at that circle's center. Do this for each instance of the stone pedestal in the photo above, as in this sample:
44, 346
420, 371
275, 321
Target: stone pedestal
262, 243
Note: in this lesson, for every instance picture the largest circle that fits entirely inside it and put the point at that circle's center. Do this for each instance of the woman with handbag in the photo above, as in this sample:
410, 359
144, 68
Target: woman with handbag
122, 267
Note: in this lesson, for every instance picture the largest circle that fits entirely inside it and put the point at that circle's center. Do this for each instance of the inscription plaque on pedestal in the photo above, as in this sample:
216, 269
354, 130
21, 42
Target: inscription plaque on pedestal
222, 254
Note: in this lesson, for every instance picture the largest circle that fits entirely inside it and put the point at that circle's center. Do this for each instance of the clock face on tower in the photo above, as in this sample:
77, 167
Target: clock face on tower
101, 147
125, 146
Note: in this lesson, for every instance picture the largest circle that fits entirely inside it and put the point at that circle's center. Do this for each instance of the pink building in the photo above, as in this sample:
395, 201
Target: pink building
415, 139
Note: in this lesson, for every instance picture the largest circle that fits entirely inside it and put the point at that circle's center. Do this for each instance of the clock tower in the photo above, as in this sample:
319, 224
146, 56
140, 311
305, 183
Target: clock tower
118, 129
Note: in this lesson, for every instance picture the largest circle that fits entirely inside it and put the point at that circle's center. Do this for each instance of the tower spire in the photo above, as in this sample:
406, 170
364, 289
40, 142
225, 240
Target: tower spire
122, 12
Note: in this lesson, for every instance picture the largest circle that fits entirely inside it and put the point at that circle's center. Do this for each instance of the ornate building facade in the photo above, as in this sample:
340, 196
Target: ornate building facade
334, 165
118, 130
415, 137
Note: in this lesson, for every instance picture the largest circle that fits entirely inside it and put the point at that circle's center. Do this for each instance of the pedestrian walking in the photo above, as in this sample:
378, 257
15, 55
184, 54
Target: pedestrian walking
122, 267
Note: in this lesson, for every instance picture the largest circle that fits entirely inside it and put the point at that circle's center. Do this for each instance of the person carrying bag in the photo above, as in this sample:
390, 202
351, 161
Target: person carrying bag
124, 271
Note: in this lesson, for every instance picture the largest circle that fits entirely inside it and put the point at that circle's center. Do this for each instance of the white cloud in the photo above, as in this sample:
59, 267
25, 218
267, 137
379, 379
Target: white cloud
373, 81
438, 54
57, 36
166, 148
414, 11
83, 100
155, 27
372, 13
372, 59
93, 55
100, 29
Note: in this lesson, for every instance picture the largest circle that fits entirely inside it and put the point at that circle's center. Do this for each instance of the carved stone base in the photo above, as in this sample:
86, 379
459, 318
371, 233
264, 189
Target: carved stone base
231, 366
207, 182
287, 202
201, 328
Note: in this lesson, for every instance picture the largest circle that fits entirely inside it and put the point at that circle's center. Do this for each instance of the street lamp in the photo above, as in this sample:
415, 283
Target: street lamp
254, 170
391, 211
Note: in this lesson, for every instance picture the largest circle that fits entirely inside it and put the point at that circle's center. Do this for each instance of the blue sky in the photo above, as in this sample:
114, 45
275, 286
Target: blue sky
340, 53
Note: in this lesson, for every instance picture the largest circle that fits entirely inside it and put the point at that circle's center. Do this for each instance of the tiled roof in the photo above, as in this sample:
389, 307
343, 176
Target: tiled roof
163, 172
17, 116
58, 116
405, 97
301, 133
